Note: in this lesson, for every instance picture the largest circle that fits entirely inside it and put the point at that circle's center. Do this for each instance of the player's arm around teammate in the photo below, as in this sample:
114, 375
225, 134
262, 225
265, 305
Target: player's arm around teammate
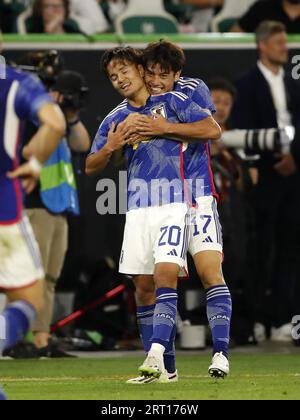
159, 126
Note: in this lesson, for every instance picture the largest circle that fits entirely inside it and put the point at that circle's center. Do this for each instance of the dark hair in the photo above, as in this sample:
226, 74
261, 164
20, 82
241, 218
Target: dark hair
268, 28
169, 56
125, 54
224, 85
37, 8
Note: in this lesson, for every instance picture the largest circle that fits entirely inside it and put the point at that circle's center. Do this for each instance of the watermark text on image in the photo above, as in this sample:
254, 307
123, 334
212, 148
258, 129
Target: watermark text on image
296, 327
119, 197
296, 67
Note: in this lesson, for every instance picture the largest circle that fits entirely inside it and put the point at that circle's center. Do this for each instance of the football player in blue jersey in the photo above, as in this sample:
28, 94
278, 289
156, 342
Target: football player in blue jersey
22, 98
157, 228
163, 64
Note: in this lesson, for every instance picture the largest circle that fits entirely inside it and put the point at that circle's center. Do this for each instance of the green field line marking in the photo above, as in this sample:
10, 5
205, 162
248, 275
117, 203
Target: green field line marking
124, 378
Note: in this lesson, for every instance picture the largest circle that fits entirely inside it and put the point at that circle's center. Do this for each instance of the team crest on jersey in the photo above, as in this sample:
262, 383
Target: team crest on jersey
159, 110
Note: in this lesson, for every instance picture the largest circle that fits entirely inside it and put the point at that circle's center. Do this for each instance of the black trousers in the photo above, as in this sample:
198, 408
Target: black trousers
277, 229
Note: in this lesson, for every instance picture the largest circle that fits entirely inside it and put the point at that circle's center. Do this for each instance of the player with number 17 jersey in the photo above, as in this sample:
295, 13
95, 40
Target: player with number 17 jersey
206, 230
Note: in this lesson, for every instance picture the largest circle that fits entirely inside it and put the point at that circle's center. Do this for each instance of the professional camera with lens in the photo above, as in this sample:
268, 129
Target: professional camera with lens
250, 144
47, 65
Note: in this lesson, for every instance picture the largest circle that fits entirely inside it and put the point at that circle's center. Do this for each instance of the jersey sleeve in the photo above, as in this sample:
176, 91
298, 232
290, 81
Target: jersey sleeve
31, 96
100, 139
202, 97
186, 109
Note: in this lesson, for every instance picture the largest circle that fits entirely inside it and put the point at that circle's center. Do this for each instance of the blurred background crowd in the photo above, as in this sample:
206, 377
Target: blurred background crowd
182, 16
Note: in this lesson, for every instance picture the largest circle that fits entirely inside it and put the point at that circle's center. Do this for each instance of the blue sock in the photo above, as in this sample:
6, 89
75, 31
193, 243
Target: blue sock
145, 322
3, 397
16, 319
165, 314
169, 355
219, 311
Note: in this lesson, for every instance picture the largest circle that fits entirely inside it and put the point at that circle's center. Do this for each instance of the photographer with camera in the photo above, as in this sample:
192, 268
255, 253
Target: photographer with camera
55, 195
235, 161
54, 198
268, 97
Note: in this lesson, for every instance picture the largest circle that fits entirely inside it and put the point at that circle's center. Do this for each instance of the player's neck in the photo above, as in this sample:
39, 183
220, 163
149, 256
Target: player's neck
140, 98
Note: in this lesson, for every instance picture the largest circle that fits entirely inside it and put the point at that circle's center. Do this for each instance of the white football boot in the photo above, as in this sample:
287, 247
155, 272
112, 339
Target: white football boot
165, 378
153, 366
142, 380
219, 367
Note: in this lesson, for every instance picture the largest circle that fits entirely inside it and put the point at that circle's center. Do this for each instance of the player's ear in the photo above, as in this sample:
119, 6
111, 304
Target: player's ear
177, 76
141, 70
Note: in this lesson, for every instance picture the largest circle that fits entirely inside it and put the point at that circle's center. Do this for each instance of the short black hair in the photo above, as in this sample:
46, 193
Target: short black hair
169, 56
224, 85
125, 54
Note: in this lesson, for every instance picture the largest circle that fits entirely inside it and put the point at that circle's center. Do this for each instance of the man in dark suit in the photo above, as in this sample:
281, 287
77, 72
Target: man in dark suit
268, 97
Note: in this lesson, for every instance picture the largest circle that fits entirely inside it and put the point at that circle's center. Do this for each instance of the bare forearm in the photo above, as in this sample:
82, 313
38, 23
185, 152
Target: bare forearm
50, 133
79, 138
97, 162
207, 129
43, 144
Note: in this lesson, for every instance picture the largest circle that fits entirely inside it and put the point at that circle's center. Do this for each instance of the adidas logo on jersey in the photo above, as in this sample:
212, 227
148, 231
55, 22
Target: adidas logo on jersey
173, 253
208, 240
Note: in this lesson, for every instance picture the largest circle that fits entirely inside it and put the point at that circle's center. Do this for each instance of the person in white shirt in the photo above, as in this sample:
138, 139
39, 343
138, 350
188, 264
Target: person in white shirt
89, 16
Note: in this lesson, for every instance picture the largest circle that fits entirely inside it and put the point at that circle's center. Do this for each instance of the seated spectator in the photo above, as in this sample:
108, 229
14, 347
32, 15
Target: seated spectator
284, 11
9, 10
89, 16
203, 13
230, 13
182, 12
112, 9
49, 17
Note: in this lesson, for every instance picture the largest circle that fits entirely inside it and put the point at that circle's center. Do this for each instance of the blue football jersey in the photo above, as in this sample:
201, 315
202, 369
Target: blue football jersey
197, 155
157, 161
21, 96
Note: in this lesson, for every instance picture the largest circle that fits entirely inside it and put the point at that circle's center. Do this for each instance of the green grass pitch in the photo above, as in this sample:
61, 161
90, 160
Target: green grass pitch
255, 376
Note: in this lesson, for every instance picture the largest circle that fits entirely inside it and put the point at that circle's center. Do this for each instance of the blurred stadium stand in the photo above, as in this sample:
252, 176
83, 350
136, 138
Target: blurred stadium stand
146, 18
229, 14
